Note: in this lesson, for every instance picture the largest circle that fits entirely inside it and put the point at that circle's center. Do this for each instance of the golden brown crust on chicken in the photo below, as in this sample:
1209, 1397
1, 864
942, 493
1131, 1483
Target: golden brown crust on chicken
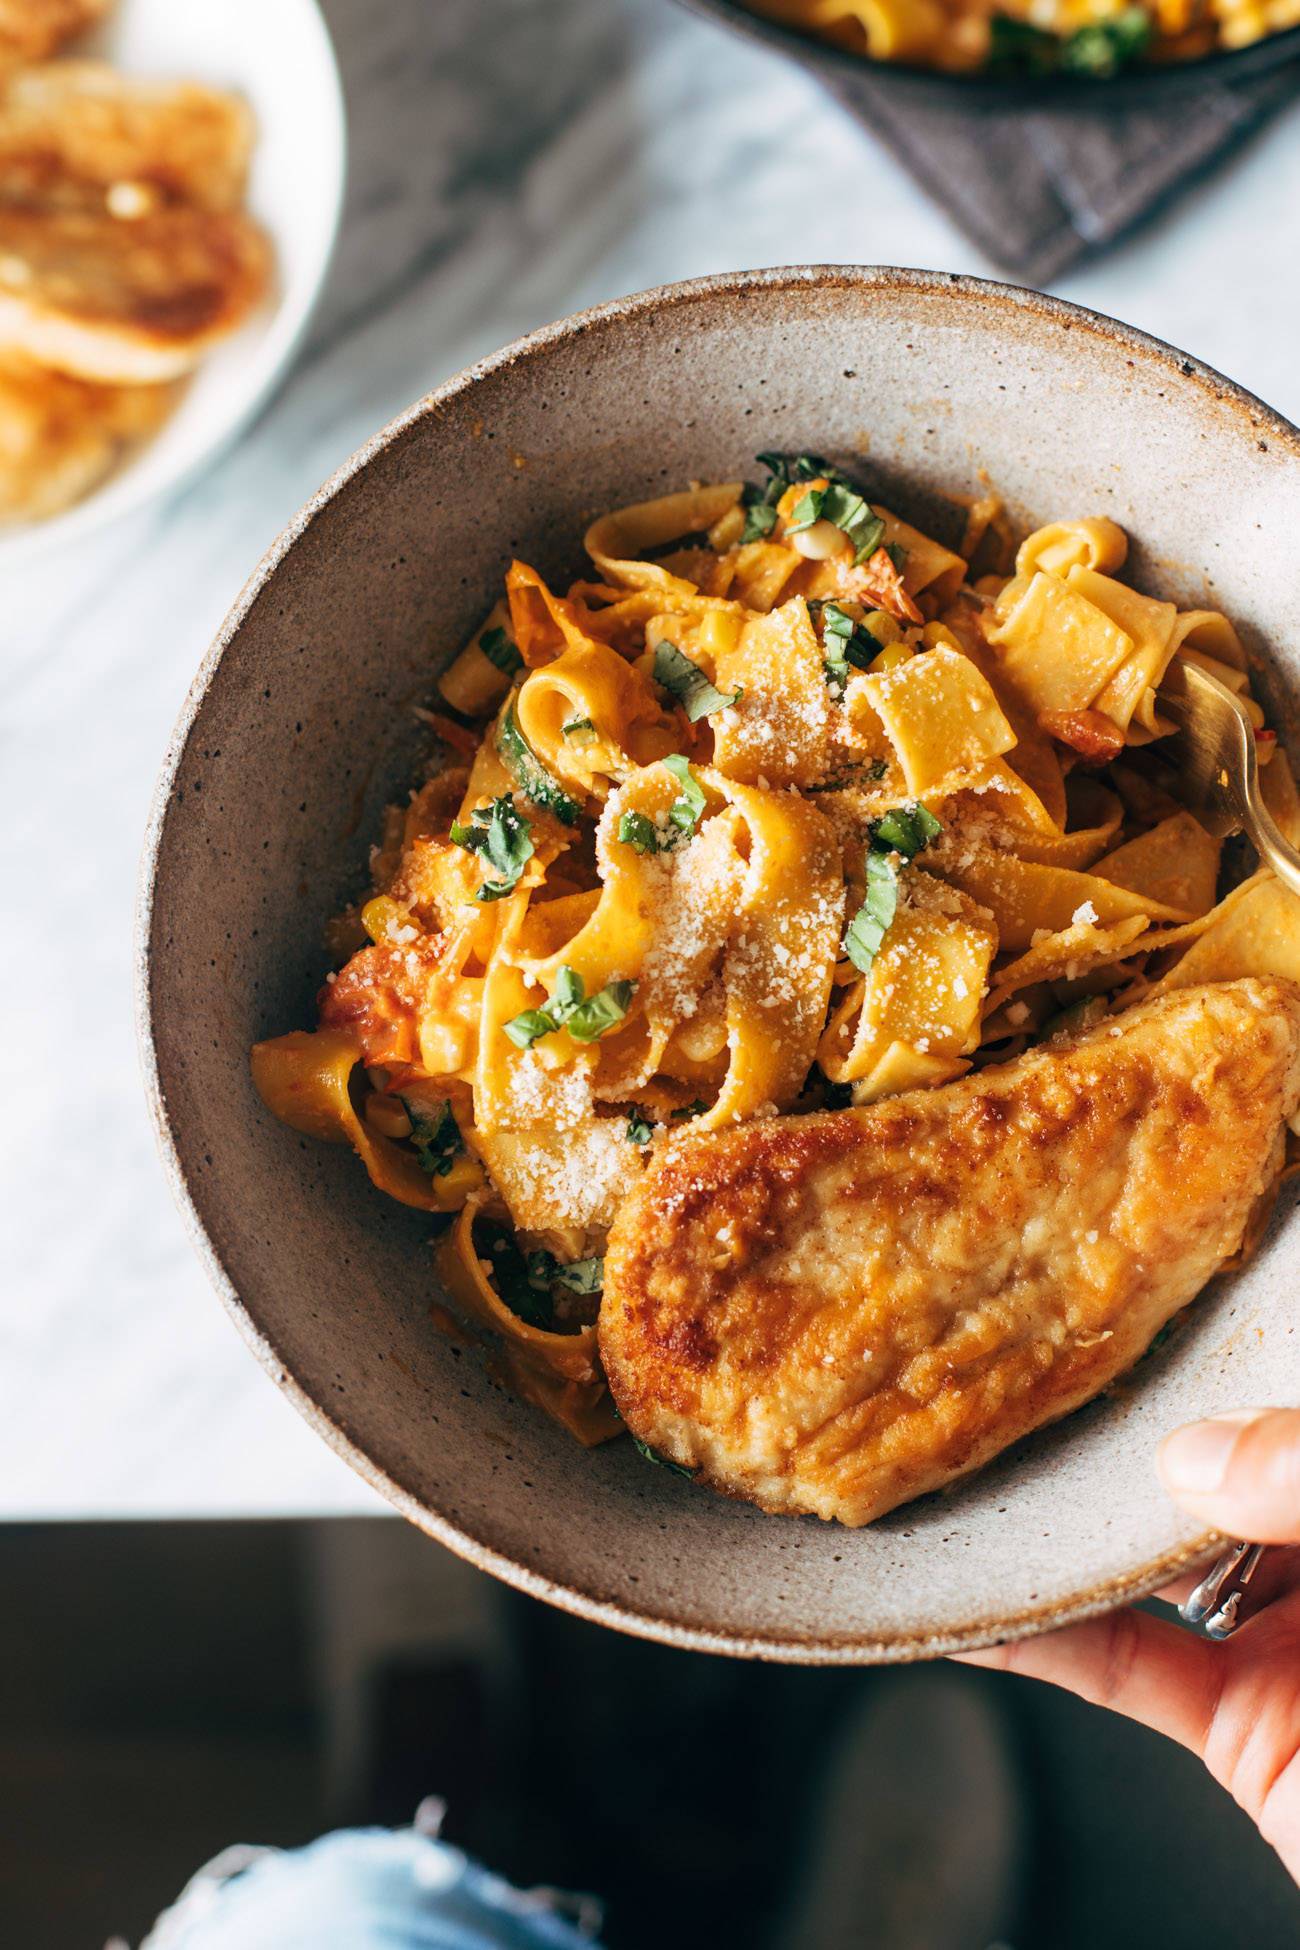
836, 1313
31, 29
123, 253
59, 437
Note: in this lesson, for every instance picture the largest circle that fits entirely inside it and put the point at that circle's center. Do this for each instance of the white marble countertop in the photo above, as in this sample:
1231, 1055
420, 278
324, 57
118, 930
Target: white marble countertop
510, 162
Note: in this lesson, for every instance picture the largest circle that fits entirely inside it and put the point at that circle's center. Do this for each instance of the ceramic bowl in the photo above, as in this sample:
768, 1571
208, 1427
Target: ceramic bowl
299, 728
279, 58
856, 77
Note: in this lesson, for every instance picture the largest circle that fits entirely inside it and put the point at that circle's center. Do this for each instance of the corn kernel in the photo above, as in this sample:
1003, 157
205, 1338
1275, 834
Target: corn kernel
385, 919
452, 1189
891, 657
388, 1115
727, 530
719, 632
936, 635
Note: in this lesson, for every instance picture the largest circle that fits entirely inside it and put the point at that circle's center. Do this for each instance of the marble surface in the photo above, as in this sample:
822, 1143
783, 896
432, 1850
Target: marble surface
511, 161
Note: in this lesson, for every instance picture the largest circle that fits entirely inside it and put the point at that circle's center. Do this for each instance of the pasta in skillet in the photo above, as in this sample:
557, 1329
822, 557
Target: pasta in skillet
1079, 37
786, 806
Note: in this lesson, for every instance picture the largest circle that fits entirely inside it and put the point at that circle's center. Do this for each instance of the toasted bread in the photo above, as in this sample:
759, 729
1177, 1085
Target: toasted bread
59, 437
31, 29
123, 252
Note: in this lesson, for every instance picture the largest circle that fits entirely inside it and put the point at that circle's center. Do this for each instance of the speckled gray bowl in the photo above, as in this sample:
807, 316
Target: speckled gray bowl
297, 730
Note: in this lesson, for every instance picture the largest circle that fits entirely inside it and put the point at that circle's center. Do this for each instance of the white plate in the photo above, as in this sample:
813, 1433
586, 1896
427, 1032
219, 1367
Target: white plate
277, 55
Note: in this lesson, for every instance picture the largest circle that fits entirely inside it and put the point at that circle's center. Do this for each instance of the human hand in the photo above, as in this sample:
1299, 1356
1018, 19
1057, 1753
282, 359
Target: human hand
1235, 1704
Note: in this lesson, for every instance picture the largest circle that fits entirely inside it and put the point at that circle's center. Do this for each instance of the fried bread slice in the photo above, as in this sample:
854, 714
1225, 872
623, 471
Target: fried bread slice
123, 251
836, 1313
32, 29
60, 437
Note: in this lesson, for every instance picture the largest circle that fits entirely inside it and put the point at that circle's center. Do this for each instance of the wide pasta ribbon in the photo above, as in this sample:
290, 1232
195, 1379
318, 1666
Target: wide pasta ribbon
780, 729
304, 1079
617, 541
590, 717
913, 1019
560, 1372
779, 965
1025, 898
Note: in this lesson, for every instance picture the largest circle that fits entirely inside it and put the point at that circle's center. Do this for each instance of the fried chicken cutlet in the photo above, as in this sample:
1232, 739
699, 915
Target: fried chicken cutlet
835, 1313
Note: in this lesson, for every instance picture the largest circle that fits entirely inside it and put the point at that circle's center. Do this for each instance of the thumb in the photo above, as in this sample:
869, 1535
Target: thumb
1240, 1472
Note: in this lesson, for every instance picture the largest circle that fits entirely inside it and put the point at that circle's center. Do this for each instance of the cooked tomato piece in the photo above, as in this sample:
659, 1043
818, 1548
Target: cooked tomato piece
378, 998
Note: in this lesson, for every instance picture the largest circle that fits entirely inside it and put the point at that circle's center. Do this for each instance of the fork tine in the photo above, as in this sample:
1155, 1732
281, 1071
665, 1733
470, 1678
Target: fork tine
1219, 768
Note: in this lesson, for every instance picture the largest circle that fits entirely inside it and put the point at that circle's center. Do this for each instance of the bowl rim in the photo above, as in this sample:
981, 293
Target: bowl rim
699, 1635
981, 87
287, 319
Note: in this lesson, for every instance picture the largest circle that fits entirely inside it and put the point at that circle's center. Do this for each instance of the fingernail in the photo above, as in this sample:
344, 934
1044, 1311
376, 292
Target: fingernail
1193, 1461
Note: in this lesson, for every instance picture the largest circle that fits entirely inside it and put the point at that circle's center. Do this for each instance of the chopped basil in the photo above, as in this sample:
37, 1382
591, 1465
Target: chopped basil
1015, 44
1107, 45
847, 643
837, 667
586, 1017
760, 503
529, 1027
436, 1137
583, 1275
1098, 49
689, 684
905, 830
568, 994
897, 555
600, 1011
530, 775
638, 831
499, 650
514, 1279
573, 726
868, 773
580, 1275
686, 809
760, 520
804, 467
504, 837
661, 1462
638, 1130
695, 1108
870, 924
846, 510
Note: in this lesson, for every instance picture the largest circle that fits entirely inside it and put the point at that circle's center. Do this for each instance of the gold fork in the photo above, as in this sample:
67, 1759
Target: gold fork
1219, 765
1219, 781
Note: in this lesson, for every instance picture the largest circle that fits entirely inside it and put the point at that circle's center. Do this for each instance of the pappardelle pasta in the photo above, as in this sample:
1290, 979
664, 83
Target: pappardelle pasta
1029, 37
785, 806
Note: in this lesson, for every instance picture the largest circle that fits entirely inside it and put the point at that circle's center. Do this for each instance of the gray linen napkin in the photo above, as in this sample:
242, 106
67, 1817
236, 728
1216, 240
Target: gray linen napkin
1037, 188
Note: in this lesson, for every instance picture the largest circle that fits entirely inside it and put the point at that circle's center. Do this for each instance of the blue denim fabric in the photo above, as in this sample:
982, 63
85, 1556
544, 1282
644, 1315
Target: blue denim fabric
363, 1889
